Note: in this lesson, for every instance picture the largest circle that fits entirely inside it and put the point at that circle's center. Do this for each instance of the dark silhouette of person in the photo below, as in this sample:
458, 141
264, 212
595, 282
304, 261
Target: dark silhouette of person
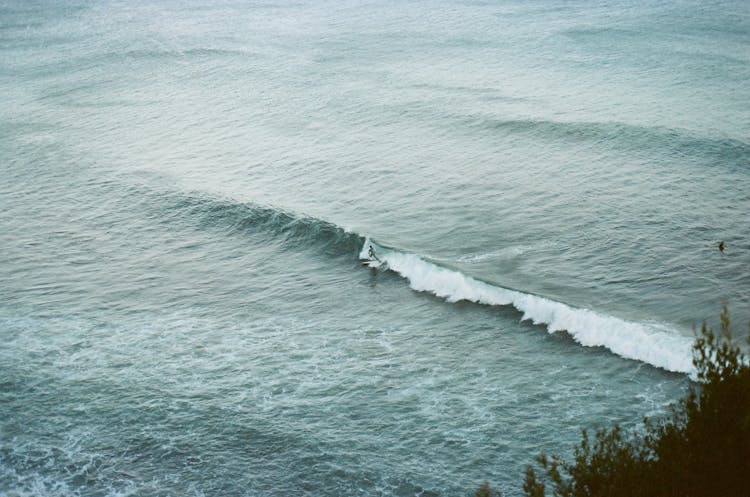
371, 254
721, 246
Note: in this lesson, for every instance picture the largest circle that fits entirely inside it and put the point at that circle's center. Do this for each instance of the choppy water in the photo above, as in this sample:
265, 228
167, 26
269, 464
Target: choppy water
187, 190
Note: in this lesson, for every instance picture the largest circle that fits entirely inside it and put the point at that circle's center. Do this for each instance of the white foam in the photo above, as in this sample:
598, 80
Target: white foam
655, 345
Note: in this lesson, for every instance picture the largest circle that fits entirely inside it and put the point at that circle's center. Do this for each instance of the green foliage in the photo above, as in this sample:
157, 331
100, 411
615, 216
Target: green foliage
486, 491
701, 449
704, 448
532, 487
610, 466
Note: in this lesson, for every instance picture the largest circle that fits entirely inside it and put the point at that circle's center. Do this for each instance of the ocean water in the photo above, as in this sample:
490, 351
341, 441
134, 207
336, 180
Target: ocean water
187, 190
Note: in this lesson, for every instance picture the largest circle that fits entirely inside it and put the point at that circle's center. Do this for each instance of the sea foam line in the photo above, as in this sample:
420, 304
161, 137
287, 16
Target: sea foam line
654, 345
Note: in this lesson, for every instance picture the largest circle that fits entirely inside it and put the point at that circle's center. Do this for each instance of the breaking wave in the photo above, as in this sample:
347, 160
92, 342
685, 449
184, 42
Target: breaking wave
652, 344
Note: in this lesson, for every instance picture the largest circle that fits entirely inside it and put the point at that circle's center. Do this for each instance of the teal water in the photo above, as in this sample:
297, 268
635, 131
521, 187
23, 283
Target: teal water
187, 190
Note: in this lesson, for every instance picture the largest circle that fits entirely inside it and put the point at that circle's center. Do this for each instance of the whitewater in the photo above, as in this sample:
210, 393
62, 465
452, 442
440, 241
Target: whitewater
655, 345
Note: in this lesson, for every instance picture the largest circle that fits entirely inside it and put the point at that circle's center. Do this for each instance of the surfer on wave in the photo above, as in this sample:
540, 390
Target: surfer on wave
371, 254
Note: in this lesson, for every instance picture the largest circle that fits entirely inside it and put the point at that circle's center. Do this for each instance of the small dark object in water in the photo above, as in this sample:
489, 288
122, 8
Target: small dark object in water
721, 247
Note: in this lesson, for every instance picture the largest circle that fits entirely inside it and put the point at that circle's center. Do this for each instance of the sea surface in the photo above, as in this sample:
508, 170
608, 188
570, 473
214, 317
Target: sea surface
187, 190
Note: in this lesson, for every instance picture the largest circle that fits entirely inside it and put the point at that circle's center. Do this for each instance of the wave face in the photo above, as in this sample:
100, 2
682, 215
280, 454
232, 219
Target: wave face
293, 229
651, 344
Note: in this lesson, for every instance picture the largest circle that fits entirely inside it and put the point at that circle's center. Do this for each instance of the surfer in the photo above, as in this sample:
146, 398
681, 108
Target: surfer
371, 254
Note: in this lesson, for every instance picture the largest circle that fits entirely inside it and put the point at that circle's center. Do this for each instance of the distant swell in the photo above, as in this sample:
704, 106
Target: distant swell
679, 142
647, 343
